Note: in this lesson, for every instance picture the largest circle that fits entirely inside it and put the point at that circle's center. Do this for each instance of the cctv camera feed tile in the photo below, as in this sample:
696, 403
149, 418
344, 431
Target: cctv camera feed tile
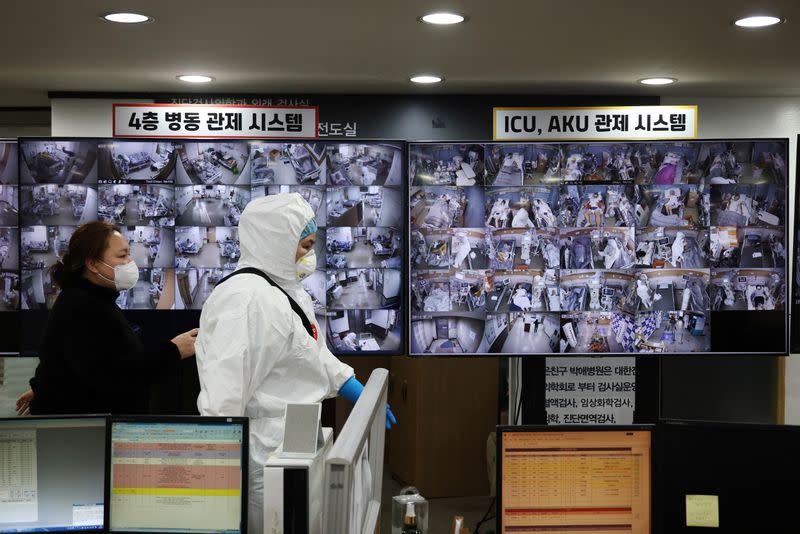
54, 205
364, 206
42, 246
356, 164
150, 246
213, 163
9, 291
134, 162
201, 246
39, 292
9, 163
194, 286
137, 205
287, 163
522, 164
446, 207
673, 331
153, 291
57, 161
210, 205
579, 248
447, 164
362, 247
523, 333
355, 331
365, 289
9, 212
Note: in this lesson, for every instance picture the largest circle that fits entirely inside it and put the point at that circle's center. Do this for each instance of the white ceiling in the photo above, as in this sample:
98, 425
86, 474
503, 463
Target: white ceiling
372, 46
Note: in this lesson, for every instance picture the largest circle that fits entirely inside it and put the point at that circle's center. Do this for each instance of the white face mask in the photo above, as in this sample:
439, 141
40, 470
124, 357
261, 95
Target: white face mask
306, 265
125, 275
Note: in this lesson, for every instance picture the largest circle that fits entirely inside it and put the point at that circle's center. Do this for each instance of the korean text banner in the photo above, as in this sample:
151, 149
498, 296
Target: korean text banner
595, 123
210, 121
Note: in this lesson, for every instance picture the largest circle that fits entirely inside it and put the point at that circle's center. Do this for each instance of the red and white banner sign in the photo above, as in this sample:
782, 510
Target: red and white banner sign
212, 121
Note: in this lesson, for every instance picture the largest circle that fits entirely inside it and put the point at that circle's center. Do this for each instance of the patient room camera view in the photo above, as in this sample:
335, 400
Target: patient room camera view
55, 205
287, 163
136, 162
137, 205
593, 247
213, 163
58, 162
211, 205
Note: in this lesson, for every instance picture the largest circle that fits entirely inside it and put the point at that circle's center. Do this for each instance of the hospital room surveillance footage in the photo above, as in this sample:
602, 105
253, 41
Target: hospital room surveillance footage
595, 247
54, 161
178, 203
134, 162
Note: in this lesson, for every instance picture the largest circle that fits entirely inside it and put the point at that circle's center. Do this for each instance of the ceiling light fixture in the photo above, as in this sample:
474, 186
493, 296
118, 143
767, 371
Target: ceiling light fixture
758, 21
127, 18
426, 79
443, 18
195, 78
657, 81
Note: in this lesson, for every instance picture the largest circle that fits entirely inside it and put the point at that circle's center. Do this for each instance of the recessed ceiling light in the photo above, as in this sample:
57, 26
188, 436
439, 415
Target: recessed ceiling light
195, 78
127, 18
443, 18
657, 81
759, 21
426, 78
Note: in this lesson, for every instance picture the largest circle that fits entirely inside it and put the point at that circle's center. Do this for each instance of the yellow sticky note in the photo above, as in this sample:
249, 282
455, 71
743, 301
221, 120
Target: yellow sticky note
702, 511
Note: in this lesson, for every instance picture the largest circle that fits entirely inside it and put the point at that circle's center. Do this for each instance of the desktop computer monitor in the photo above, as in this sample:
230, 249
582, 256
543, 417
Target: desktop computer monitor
52, 473
177, 474
574, 479
741, 477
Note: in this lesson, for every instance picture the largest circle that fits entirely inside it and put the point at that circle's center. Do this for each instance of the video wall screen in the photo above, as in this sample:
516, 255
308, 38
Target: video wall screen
179, 203
646, 247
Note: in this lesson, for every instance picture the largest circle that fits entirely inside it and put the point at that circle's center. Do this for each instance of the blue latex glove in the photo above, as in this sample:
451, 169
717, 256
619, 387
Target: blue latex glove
352, 389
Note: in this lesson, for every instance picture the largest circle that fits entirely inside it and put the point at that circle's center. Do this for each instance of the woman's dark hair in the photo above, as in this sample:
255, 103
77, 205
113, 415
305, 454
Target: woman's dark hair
89, 242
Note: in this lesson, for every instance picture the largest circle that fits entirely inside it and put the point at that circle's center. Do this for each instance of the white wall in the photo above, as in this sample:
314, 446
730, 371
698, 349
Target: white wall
758, 117
75, 117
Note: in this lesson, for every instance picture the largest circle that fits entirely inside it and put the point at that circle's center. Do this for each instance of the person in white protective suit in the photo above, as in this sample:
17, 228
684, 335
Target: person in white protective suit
521, 219
257, 351
678, 248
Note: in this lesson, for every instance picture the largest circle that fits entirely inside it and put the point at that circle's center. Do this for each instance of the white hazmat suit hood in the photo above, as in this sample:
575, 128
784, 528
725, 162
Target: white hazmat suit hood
253, 353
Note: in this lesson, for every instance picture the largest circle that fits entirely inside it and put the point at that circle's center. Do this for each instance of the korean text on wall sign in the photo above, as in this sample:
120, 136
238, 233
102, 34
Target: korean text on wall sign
595, 123
203, 121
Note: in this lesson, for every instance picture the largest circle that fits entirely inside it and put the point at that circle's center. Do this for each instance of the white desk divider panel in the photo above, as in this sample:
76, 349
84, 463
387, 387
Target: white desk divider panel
354, 465
293, 495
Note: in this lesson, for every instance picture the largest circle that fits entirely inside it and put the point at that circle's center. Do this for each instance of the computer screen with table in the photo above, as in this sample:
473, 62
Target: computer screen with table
583, 480
184, 475
52, 474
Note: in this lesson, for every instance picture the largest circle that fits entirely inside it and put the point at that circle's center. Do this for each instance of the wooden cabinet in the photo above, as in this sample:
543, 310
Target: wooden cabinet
446, 409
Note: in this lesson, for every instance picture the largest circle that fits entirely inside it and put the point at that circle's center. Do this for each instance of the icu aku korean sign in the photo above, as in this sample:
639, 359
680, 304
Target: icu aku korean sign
217, 122
595, 123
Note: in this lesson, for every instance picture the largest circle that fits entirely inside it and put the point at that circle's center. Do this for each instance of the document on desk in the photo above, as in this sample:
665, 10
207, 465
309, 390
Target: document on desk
18, 481
702, 511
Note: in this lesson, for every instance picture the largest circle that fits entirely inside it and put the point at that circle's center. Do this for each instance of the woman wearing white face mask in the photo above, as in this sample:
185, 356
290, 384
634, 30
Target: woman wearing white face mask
91, 361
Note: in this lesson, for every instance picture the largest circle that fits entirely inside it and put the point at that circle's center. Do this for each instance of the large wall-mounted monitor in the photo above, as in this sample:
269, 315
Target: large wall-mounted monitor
574, 479
178, 202
587, 248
